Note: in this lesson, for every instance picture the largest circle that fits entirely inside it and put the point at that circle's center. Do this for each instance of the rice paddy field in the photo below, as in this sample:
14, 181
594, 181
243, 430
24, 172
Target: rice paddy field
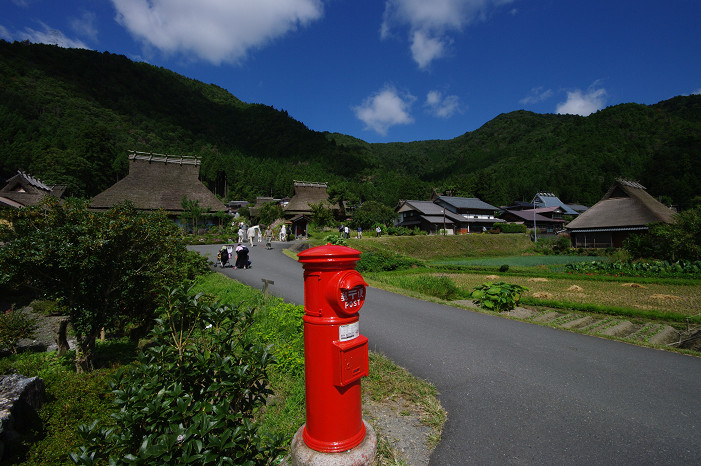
681, 299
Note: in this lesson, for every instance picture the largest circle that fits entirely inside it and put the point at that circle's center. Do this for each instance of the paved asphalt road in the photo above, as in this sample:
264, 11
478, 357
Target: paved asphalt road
519, 393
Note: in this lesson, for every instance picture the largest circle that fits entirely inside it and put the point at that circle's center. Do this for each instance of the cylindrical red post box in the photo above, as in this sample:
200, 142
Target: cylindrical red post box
335, 354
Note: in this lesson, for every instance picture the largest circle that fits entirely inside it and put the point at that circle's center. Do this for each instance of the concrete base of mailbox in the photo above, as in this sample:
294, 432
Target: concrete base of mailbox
362, 455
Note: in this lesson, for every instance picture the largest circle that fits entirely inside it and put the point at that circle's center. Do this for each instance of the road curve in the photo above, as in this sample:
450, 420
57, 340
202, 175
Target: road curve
519, 393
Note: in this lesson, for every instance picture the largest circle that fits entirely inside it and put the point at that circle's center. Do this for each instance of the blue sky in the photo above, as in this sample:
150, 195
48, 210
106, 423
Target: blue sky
394, 70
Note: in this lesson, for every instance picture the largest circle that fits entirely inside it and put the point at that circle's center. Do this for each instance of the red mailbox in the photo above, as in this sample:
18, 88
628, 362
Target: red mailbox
335, 354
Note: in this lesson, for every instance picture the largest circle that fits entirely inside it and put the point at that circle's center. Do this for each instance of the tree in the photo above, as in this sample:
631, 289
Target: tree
370, 213
680, 240
107, 268
321, 215
270, 212
191, 212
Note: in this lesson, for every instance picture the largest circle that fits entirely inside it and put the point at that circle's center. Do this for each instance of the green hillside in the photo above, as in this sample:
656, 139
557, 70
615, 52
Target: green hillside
68, 116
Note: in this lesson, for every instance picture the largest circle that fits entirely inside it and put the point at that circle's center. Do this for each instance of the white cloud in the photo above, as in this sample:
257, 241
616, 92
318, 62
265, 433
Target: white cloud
431, 22
85, 25
213, 30
537, 94
697, 91
46, 36
4, 33
425, 49
385, 109
442, 106
583, 103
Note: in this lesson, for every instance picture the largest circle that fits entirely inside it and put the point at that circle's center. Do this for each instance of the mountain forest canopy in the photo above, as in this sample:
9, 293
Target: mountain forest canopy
69, 116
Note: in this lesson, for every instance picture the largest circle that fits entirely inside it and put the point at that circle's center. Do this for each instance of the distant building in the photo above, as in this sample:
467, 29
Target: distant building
159, 181
456, 215
625, 209
23, 190
542, 200
306, 194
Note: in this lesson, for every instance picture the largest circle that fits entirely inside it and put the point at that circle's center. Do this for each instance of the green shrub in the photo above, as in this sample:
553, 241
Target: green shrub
510, 227
14, 325
498, 296
191, 396
281, 325
336, 240
48, 307
504, 268
439, 286
655, 268
381, 260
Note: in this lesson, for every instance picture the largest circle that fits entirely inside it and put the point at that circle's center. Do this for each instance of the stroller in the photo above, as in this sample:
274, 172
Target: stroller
242, 261
223, 256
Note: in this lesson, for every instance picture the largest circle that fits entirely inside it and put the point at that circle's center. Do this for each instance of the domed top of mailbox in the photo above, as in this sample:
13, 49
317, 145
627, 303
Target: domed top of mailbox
329, 253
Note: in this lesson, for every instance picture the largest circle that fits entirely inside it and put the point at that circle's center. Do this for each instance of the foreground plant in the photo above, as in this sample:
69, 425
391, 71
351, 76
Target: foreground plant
191, 396
498, 296
14, 326
106, 268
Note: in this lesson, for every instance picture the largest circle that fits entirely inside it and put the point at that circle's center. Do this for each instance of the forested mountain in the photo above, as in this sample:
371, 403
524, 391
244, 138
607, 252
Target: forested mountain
68, 116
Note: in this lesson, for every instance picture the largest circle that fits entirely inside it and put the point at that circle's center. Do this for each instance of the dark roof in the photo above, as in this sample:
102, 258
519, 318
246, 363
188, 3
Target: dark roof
527, 216
24, 190
626, 204
465, 203
158, 181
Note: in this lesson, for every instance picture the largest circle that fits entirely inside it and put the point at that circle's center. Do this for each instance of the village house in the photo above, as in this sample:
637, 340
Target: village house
23, 190
160, 181
454, 215
625, 209
298, 210
537, 219
546, 200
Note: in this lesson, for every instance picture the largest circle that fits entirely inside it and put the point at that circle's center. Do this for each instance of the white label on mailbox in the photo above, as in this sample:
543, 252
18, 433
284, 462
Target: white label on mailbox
348, 332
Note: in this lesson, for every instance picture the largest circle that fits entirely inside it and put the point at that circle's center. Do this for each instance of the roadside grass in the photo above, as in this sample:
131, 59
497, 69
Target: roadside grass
280, 324
387, 381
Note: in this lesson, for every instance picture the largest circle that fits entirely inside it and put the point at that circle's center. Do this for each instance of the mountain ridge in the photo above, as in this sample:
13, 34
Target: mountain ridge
68, 116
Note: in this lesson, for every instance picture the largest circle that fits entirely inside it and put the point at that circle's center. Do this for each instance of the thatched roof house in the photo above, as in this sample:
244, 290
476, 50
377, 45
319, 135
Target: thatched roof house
626, 208
306, 194
158, 181
24, 190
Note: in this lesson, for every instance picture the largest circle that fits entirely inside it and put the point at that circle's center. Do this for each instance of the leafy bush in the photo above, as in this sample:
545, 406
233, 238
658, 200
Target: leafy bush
680, 240
504, 268
498, 296
439, 286
691, 269
14, 325
335, 239
108, 268
281, 325
381, 260
192, 394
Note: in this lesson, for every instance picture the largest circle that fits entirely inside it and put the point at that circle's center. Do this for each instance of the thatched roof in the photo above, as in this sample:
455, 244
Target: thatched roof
157, 181
307, 193
626, 205
24, 190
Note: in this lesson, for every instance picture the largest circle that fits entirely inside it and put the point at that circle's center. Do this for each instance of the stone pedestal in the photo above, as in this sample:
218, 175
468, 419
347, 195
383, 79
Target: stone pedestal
362, 455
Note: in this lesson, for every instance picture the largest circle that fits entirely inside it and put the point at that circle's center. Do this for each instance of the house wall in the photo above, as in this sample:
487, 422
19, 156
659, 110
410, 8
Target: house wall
600, 239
